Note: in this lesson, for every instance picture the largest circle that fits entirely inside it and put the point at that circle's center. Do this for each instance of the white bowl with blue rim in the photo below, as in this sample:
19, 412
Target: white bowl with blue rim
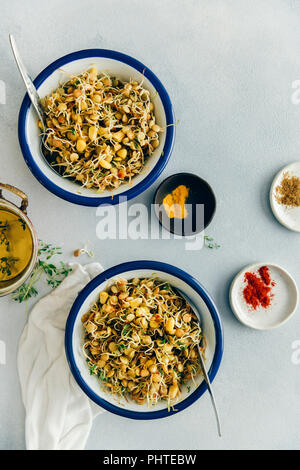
125, 68
211, 326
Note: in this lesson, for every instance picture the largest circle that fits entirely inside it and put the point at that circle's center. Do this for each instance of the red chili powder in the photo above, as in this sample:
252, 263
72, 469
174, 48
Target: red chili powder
258, 291
265, 275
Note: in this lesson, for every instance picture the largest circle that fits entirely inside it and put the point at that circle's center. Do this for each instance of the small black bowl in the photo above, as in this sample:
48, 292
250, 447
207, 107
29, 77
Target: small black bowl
201, 204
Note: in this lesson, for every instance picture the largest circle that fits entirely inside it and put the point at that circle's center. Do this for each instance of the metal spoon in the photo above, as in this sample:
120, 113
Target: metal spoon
205, 374
31, 90
35, 99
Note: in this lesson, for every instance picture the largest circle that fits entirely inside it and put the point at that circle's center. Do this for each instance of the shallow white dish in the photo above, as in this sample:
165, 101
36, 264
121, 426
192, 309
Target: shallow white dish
74, 339
287, 216
283, 304
125, 68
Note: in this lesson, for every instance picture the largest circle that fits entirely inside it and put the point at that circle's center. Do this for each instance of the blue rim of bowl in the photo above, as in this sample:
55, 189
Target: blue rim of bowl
155, 266
155, 172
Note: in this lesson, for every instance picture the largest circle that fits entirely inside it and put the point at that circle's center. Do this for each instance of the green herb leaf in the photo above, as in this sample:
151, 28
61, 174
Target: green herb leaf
92, 369
53, 273
210, 243
121, 347
126, 330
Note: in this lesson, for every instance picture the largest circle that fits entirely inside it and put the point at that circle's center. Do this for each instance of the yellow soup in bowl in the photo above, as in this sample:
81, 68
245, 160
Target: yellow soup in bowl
16, 245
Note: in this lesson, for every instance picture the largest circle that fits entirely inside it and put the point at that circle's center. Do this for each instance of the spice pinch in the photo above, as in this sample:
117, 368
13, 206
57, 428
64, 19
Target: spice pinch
289, 216
282, 306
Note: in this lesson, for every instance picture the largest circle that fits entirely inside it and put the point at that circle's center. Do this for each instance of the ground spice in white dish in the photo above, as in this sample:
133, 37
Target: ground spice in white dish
288, 192
258, 289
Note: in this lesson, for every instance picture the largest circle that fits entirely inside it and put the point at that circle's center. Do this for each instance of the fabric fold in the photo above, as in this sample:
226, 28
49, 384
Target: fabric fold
58, 414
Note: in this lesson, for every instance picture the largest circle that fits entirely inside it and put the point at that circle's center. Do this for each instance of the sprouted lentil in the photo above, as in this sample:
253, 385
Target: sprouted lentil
141, 340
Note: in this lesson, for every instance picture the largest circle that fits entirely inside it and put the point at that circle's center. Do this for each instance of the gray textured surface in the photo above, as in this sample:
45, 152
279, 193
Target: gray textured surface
228, 67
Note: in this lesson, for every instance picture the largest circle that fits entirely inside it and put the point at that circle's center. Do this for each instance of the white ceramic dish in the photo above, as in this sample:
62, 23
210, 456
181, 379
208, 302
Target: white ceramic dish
283, 304
287, 216
125, 68
211, 326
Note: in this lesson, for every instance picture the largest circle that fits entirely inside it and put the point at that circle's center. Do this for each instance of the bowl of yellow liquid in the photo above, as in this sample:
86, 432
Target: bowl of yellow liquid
18, 242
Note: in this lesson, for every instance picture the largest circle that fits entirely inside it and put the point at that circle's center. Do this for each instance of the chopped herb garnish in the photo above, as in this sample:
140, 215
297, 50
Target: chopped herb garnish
101, 376
126, 330
4, 226
92, 369
7, 264
167, 287
23, 223
121, 347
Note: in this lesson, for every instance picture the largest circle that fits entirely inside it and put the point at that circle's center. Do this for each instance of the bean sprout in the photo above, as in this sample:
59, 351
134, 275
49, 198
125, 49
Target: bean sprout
100, 129
141, 340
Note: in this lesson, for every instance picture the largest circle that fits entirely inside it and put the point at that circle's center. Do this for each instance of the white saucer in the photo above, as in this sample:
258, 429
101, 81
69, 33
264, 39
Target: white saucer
287, 216
283, 304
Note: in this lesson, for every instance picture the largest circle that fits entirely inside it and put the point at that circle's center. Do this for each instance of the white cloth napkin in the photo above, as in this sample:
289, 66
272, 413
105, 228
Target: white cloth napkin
58, 414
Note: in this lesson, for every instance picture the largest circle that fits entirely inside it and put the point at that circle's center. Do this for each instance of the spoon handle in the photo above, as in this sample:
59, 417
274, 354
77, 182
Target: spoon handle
209, 387
31, 90
204, 371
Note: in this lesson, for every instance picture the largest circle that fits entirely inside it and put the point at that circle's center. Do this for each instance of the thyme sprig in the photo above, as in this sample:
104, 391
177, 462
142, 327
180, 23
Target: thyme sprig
210, 243
54, 273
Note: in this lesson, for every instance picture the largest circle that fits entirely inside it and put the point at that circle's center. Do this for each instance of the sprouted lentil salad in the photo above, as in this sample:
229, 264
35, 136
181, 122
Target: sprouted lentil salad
141, 340
101, 129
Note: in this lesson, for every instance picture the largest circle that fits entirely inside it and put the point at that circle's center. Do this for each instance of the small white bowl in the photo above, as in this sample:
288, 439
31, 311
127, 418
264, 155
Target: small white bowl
283, 304
210, 323
287, 216
125, 68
